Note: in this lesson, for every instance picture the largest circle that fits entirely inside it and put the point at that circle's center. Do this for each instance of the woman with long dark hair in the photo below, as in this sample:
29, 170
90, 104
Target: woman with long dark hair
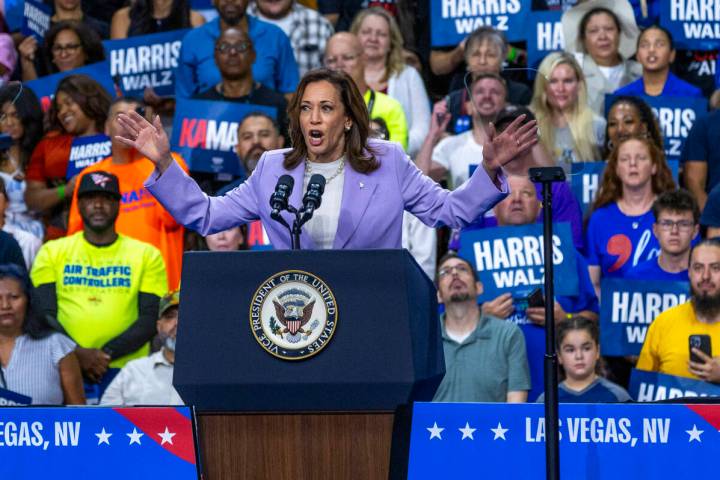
143, 17
369, 182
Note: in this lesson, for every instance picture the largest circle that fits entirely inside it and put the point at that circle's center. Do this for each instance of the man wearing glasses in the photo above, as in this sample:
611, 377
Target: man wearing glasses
234, 57
676, 225
485, 358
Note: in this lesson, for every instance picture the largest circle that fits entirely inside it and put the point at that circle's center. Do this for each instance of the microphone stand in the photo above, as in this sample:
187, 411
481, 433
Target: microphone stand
546, 176
296, 228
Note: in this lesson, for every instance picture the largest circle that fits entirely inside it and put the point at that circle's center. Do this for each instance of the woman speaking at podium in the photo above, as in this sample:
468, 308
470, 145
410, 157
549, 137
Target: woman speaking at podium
369, 183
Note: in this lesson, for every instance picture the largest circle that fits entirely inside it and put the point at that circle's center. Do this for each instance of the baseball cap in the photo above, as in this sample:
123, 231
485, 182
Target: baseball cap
99, 181
170, 299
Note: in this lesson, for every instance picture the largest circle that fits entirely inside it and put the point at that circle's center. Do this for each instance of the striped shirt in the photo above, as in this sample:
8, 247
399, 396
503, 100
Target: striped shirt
34, 367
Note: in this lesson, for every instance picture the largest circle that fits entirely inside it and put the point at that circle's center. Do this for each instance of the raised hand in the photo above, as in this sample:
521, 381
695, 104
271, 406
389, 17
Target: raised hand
514, 141
147, 138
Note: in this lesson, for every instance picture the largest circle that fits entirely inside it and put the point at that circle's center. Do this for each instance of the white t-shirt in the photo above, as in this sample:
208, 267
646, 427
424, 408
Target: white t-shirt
457, 154
284, 23
613, 75
322, 227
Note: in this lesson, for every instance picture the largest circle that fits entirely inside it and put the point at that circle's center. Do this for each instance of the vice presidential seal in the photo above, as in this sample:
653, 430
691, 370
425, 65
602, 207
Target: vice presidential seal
293, 315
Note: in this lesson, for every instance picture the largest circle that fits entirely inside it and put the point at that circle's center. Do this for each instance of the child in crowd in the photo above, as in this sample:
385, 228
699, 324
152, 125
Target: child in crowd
579, 351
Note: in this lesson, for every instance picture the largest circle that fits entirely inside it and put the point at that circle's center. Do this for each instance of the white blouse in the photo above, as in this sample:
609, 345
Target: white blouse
322, 227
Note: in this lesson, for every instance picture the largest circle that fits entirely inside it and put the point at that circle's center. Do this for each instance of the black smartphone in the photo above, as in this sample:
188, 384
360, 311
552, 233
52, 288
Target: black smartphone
535, 299
702, 343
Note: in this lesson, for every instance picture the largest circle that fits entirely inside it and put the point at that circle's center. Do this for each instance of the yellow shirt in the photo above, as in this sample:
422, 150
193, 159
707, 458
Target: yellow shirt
392, 112
97, 287
666, 347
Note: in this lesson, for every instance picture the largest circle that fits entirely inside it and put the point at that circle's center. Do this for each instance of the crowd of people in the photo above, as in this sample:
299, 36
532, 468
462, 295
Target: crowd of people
90, 260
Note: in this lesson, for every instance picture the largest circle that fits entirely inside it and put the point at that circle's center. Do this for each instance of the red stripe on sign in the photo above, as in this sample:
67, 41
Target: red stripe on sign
711, 413
154, 421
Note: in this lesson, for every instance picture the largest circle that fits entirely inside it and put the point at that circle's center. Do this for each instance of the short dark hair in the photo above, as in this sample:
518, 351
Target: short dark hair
679, 200
476, 77
663, 30
449, 256
259, 114
707, 242
586, 19
577, 322
508, 115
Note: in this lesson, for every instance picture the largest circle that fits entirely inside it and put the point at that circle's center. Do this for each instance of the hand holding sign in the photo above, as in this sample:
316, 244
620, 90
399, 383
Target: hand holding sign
515, 140
147, 138
709, 370
500, 307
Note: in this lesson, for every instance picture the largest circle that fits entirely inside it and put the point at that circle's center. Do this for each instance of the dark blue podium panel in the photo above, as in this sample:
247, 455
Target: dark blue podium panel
386, 348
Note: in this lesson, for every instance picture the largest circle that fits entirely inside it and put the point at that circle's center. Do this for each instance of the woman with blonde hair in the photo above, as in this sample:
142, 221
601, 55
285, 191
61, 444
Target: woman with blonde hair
620, 231
386, 71
569, 129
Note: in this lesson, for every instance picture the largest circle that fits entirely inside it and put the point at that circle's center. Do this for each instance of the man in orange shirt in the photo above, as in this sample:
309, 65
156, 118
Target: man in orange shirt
141, 216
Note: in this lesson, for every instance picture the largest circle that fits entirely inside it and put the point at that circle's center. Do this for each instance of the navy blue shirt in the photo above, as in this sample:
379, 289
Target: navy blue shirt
674, 87
701, 146
601, 390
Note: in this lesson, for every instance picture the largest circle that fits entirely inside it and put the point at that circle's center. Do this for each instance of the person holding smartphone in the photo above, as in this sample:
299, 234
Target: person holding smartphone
680, 341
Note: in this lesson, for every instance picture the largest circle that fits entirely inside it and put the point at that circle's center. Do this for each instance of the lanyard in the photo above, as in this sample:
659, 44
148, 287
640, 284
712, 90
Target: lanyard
371, 102
3, 383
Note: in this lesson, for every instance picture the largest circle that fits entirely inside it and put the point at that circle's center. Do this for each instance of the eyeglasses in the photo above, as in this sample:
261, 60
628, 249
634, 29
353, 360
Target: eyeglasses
331, 62
459, 268
668, 225
4, 117
232, 48
70, 48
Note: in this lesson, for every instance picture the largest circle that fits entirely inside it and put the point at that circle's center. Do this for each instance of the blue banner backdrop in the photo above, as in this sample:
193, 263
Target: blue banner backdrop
545, 35
694, 24
597, 442
86, 151
36, 19
510, 259
45, 87
453, 20
654, 387
92, 442
629, 307
145, 61
205, 133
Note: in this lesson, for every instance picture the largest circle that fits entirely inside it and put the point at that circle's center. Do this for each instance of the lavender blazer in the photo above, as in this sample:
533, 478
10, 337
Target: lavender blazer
371, 211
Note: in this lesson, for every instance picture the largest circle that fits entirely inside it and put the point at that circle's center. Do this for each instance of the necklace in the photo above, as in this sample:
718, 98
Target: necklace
309, 170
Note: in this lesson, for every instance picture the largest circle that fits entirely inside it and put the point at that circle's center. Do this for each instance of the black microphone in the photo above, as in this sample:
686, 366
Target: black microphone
313, 196
279, 199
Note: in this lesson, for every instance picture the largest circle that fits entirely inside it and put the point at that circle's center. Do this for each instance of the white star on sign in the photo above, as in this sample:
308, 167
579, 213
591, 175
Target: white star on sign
694, 434
499, 432
467, 432
166, 437
435, 431
135, 436
103, 437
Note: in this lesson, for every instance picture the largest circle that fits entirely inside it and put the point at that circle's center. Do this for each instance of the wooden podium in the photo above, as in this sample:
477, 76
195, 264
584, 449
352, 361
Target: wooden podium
329, 416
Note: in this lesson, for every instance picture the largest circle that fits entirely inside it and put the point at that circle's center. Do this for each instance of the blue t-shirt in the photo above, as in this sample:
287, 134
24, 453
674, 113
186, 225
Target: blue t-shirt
701, 146
535, 334
651, 270
274, 66
711, 213
618, 243
601, 390
674, 87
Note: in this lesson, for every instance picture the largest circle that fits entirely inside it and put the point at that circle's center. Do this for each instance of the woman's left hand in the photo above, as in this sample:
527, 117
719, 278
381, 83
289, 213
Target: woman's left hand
514, 141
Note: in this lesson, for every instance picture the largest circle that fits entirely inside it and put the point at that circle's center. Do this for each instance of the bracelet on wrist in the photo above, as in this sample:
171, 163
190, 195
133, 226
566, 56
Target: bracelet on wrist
61, 192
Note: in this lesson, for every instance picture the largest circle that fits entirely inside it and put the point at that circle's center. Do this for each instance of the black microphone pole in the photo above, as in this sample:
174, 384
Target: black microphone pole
546, 176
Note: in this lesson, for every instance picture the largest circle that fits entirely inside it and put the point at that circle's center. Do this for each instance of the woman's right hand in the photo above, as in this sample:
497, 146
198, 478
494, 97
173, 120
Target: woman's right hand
147, 138
27, 49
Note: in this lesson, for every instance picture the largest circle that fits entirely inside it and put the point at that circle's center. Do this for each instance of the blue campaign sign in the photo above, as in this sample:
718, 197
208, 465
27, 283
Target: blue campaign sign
654, 387
694, 24
90, 442
597, 442
629, 307
586, 177
86, 151
453, 20
36, 19
145, 61
10, 398
205, 133
45, 87
676, 116
545, 35
510, 259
